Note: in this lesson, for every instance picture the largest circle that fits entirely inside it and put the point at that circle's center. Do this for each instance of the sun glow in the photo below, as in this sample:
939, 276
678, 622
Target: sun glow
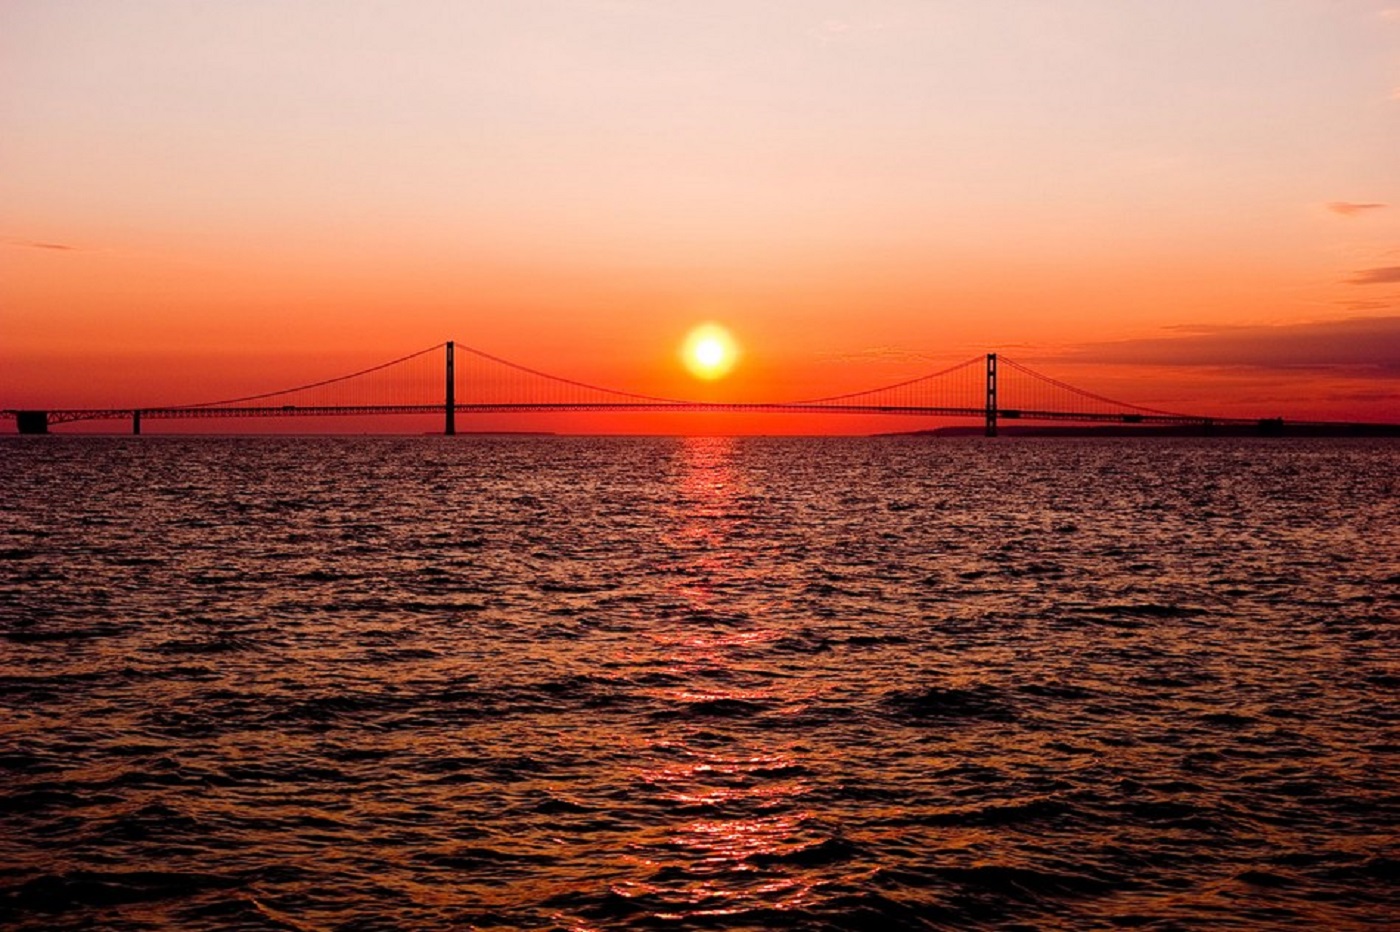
709, 352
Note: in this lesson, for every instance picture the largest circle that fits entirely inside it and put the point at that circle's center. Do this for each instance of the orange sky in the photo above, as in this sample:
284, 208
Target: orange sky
1193, 206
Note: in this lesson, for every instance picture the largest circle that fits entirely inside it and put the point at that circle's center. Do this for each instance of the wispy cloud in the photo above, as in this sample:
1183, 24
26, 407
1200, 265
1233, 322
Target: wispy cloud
876, 352
34, 244
1386, 275
1360, 346
1351, 209
1194, 329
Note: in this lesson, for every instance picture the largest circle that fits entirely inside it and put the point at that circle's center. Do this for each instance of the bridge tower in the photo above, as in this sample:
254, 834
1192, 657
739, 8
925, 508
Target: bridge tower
450, 425
33, 422
991, 394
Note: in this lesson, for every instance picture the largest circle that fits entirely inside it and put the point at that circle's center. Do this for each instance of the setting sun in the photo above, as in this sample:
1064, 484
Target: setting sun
709, 352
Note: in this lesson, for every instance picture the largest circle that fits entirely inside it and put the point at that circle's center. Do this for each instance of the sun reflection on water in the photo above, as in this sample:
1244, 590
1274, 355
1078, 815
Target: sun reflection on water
731, 798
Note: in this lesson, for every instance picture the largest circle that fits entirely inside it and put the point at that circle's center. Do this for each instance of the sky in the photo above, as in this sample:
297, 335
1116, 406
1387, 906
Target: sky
1191, 205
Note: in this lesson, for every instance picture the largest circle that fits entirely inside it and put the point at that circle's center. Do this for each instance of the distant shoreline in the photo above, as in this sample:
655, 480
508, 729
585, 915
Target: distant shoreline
1166, 430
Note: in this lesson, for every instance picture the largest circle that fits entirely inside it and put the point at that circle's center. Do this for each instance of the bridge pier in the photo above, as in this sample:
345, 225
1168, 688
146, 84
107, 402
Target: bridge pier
449, 426
136, 423
32, 422
991, 395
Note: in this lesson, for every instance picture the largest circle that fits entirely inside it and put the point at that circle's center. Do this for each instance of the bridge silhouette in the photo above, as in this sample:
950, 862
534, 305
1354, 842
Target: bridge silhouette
451, 379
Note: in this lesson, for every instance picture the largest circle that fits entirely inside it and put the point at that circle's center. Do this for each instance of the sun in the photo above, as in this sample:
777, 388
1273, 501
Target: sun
709, 352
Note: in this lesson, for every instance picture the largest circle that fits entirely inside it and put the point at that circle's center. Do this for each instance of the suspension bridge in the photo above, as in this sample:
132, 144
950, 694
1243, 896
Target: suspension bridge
454, 379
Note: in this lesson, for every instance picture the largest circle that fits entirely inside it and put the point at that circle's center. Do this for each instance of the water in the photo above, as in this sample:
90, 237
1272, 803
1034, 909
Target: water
698, 684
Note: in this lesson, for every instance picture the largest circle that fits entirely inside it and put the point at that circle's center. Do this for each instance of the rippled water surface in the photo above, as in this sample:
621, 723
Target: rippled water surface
698, 683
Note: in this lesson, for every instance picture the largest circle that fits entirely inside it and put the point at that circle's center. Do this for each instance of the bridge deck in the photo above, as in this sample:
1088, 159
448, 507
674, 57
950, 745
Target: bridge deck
69, 415
975, 388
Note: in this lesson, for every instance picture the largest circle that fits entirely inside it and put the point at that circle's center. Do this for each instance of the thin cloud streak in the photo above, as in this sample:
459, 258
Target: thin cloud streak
34, 244
1386, 275
1349, 209
1360, 346
878, 353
